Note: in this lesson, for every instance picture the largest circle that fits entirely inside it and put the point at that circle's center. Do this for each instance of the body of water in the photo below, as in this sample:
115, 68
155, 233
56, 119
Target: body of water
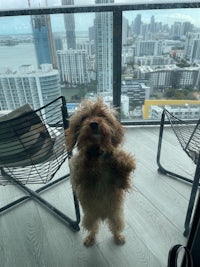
11, 57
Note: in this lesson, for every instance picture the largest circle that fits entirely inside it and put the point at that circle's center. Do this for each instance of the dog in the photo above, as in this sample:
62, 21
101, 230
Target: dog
101, 169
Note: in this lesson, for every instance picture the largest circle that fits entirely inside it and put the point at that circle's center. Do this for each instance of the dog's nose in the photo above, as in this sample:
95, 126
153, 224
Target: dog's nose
94, 125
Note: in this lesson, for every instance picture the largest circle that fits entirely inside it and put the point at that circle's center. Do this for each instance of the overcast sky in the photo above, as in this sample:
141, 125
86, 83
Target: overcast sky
22, 24
11, 4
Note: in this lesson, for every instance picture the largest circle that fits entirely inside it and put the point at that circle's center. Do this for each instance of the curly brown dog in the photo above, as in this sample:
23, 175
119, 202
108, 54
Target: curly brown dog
101, 170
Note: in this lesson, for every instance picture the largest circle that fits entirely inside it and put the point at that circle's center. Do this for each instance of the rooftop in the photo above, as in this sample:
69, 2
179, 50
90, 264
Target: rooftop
155, 212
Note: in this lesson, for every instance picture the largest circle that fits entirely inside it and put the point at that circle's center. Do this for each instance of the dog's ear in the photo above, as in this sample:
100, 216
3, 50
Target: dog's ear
118, 134
70, 138
75, 121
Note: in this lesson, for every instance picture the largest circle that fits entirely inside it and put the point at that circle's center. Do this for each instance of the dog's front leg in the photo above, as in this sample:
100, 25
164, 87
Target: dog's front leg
91, 225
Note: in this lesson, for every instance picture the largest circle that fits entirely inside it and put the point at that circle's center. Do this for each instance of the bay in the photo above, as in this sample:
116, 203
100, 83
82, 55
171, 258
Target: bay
12, 57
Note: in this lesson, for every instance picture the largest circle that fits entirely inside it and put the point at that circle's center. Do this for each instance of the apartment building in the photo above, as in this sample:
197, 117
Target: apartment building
153, 60
73, 66
103, 25
148, 48
136, 91
170, 77
128, 55
36, 87
192, 47
181, 112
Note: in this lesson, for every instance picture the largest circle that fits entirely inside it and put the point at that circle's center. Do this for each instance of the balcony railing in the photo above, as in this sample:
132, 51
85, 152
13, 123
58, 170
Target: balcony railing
117, 12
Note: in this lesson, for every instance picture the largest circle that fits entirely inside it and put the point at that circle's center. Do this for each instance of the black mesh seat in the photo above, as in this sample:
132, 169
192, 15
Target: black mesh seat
32, 151
188, 135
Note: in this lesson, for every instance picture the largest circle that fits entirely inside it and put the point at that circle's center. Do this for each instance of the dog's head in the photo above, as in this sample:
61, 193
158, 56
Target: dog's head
94, 127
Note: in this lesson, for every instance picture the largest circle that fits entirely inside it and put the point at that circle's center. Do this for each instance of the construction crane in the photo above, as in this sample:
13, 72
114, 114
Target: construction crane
29, 3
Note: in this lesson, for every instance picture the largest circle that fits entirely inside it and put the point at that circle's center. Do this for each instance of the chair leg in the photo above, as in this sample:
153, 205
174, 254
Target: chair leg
192, 198
161, 169
74, 224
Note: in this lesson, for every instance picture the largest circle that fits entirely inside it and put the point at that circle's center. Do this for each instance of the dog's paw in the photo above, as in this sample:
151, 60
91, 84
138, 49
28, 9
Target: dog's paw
89, 241
119, 239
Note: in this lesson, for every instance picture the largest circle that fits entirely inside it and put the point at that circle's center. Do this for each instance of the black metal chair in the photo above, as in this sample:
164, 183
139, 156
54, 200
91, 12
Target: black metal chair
188, 135
32, 151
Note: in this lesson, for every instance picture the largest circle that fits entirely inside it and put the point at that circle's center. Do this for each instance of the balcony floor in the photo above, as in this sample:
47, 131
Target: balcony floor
155, 212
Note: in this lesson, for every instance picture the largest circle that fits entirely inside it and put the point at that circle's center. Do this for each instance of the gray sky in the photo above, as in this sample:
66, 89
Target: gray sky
12, 4
22, 23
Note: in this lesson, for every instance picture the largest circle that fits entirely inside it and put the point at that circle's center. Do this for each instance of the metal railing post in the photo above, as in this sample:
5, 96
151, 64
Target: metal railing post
117, 52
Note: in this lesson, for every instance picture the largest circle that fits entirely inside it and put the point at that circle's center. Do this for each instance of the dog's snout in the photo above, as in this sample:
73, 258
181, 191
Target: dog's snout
94, 125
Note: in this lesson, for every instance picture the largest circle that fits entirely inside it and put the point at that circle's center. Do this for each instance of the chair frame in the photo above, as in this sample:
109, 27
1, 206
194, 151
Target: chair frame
194, 182
35, 195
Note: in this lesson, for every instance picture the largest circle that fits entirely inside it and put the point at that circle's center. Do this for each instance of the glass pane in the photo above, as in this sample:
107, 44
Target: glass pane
160, 63
49, 55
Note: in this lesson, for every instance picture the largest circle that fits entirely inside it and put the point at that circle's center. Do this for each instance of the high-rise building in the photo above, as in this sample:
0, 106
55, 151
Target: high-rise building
192, 50
125, 31
186, 27
176, 29
70, 26
152, 26
137, 25
149, 48
58, 42
91, 33
43, 39
170, 77
104, 45
36, 87
195, 53
73, 66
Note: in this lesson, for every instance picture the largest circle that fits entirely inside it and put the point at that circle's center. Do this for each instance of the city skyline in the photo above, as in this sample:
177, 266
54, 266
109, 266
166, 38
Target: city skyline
152, 52
21, 24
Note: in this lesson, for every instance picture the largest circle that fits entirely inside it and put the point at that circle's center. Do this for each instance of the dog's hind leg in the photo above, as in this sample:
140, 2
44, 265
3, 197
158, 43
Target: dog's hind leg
116, 225
92, 226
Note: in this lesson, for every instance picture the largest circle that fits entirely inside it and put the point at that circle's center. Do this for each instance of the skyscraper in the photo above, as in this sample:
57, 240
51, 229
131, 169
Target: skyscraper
152, 26
70, 26
73, 66
137, 25
36, 87
104, 45
43, 39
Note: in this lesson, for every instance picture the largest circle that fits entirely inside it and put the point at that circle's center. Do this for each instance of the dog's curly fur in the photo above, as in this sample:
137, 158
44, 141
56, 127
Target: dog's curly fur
101, 170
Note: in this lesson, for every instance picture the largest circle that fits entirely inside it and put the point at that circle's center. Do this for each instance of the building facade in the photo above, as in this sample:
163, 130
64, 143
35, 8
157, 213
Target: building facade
170, 77
73, 66
29, 86
136, 91
181, 112
191, 49
43, 40
148, 48
70, 26
103, 46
